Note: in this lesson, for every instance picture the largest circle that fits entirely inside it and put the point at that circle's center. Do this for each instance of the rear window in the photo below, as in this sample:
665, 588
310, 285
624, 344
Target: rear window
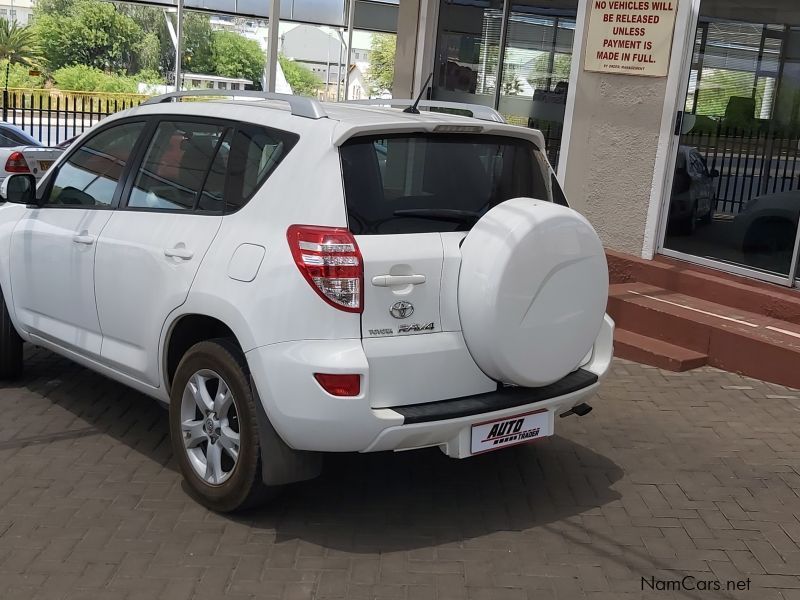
435, 182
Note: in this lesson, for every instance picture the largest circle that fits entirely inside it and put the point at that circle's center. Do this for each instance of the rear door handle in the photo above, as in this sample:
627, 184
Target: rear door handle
390, 280
181, 253
83, 238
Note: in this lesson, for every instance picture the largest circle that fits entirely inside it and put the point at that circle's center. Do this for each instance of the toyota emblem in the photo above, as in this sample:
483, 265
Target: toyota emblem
401, 310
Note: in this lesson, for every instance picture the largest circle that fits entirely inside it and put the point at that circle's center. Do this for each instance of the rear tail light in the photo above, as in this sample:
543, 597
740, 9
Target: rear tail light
329, 259
339, 385
16, 163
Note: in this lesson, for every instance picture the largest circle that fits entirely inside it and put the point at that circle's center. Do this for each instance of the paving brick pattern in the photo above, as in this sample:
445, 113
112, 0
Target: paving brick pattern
694, 474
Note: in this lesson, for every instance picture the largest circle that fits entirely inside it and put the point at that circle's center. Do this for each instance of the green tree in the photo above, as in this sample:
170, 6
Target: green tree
53, 7
197, 39
198, 45
148, 54
234, 55
17, 46
302, 80
90, 32
381, 62
20, 77
82, 78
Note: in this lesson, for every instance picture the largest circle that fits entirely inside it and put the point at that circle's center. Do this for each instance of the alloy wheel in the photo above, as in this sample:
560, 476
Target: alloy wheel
210, 427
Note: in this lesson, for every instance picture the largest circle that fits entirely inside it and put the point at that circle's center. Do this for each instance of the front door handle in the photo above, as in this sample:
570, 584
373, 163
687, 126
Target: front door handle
83, 238
390, 280
179, 252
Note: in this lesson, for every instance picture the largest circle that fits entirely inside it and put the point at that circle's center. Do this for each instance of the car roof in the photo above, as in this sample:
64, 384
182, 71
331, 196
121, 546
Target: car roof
346, 120
29, 139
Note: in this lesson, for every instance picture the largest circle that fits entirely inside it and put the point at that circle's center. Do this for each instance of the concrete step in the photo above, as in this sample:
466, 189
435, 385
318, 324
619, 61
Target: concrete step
715, 286
650, 351
734, 340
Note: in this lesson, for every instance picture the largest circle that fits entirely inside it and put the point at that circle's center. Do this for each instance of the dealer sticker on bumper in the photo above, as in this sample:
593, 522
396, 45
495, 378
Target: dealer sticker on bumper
510, 431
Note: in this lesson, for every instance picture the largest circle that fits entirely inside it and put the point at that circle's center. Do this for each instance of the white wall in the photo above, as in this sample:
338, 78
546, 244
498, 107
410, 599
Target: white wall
615, 152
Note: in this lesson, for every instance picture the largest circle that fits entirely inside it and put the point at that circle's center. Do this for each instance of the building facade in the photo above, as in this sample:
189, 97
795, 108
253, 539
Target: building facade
20, 11
324, 52
680, 140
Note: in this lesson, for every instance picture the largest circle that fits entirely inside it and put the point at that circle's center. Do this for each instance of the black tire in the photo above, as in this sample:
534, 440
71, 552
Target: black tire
244, 487
770, 235
10, 345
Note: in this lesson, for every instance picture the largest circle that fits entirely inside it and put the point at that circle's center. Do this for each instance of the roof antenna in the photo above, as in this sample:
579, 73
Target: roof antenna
413, 108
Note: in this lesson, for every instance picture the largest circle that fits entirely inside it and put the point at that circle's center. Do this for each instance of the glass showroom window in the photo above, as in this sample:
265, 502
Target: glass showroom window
468, 51
735, 190
522, 69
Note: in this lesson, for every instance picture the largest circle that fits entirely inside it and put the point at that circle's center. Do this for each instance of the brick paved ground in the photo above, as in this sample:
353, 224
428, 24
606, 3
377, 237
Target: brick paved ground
672, 474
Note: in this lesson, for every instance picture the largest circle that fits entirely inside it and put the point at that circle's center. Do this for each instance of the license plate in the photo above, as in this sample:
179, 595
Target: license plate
45, 164
510, 431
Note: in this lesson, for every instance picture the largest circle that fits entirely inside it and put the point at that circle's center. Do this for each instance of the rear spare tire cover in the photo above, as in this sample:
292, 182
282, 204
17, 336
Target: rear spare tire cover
532, 291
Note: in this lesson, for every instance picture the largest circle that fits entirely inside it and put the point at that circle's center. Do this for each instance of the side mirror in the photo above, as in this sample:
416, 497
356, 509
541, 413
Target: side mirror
19, 189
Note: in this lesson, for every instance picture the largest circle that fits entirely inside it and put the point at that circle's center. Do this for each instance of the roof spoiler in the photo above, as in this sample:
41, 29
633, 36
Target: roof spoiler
476, 111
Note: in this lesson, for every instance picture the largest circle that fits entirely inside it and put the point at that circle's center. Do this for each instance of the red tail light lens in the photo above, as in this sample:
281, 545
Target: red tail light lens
16, 163
329, 259
339, 385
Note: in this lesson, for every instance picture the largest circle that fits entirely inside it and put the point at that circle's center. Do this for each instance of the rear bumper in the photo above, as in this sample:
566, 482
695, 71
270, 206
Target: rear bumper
308, 418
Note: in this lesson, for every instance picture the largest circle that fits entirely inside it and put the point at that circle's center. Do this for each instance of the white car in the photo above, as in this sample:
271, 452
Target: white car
293, 280
22, 153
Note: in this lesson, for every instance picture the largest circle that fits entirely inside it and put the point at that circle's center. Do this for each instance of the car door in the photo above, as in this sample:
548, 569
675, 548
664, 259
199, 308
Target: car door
152, 246
53, 246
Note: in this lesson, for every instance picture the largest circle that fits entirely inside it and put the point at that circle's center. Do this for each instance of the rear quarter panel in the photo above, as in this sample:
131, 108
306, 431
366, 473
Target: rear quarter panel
278, 305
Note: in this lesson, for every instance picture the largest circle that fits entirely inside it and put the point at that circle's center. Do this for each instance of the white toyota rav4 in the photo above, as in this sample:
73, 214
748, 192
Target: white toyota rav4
293, 280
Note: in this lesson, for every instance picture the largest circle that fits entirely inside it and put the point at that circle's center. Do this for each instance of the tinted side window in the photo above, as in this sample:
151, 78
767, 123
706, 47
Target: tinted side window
175, 164
89, 177
9, 140
255, 153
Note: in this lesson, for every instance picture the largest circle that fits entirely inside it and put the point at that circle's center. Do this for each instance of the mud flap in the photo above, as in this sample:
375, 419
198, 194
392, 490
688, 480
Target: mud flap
281, 464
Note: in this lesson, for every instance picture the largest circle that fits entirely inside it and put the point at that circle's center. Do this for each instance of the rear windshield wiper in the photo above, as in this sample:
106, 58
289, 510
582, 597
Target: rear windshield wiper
441, 214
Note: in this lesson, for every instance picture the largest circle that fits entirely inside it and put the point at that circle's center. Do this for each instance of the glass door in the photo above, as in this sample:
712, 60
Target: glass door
735, 194
512, 55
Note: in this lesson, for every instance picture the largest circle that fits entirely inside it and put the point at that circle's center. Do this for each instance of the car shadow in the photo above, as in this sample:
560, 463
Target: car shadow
390, 501
362, 503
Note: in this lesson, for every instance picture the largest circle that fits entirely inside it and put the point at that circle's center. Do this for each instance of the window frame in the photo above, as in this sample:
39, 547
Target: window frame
233, 125
46, 190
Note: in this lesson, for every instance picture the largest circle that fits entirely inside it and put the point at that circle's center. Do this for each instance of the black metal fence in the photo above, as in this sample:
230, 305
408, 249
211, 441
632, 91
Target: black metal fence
553, 133
53, 116
750, 162
551, 130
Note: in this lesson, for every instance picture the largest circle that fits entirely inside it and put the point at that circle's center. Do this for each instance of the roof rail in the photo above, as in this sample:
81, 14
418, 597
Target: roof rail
477, 111
300, 106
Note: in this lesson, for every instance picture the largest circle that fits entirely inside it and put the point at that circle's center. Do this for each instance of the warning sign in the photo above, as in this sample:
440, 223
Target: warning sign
631, 37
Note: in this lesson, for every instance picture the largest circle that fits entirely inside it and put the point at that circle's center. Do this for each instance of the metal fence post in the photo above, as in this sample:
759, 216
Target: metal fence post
5, 105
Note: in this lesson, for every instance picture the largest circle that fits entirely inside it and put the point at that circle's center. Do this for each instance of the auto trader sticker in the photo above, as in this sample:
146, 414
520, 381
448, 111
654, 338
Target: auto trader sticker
511, 431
